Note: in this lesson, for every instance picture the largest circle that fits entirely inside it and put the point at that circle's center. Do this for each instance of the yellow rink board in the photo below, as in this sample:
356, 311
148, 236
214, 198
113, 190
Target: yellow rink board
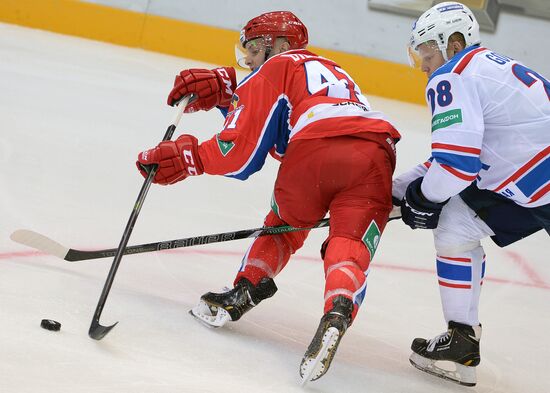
194, 41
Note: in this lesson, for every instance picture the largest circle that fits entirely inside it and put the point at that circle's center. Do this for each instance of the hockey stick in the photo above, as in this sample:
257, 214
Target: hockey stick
49, 246
46, 245
98, 331
42, 243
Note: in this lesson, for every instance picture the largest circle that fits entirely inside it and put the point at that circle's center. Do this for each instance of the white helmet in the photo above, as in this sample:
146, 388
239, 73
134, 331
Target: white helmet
440, 22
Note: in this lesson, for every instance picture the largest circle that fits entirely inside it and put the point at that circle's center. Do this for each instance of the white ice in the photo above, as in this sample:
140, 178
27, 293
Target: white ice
74, 114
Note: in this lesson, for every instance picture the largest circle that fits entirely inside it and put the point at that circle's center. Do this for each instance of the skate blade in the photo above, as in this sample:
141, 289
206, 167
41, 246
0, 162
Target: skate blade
462, 375
313, 368
202, 313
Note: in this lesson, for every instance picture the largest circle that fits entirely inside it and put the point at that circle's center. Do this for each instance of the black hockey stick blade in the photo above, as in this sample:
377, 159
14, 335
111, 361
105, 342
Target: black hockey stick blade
98, 331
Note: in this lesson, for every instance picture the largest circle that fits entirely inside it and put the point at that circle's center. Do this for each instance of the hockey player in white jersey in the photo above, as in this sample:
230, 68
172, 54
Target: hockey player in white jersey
488, 175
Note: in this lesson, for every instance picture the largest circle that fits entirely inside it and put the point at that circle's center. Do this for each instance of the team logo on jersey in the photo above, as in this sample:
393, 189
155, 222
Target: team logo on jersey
446, 119
371, 238
234, 101
224, 146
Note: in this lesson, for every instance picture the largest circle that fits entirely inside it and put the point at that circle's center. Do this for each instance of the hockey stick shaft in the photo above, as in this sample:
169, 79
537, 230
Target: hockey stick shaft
97, 331
49, 246
76, 255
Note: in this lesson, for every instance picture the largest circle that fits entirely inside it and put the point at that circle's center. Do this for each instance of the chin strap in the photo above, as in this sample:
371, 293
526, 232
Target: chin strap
267, 53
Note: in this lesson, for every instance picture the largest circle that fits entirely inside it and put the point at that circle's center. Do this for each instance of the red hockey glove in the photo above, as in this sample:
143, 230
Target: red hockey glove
210, 88
175, 159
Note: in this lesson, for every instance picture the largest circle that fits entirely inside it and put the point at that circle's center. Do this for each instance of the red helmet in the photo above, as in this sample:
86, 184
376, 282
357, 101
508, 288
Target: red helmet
275, 24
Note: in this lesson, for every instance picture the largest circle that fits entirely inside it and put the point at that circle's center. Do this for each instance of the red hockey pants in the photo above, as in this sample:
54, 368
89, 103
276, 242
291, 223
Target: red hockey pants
348, 176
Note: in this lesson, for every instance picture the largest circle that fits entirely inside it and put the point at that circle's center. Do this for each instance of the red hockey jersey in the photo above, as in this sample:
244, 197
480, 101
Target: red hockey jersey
293, 95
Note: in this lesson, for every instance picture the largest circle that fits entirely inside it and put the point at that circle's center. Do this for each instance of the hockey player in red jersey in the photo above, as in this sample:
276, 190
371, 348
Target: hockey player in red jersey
337, 156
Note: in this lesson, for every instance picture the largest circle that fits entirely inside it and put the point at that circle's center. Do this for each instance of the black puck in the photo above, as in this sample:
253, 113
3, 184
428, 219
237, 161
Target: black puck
50, 324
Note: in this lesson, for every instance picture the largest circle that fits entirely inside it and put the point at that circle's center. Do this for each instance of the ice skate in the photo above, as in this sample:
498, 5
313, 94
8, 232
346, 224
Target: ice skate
452, 355
216, 309
321, 350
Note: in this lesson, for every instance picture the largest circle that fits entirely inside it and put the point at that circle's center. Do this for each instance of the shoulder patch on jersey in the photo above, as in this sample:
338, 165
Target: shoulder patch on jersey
446, 119
234, 101
225, 147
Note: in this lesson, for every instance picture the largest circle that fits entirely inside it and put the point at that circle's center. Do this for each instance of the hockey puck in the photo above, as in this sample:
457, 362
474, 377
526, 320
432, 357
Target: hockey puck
50, 324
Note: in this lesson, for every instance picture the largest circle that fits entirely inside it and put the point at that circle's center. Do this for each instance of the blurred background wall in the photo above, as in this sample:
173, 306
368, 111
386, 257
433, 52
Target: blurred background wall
368, 38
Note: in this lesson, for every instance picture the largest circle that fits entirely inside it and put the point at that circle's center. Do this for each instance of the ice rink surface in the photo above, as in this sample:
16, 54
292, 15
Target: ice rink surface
74, 114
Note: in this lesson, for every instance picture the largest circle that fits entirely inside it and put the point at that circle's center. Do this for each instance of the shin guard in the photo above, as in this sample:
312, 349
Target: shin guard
268, 255
346, 269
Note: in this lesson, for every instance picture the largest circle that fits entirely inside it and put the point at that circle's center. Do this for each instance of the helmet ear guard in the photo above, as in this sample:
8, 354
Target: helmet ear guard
440, 22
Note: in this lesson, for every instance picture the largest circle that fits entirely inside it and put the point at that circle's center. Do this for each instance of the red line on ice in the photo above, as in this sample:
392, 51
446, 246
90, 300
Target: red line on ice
20, 254
536, 280
524, 265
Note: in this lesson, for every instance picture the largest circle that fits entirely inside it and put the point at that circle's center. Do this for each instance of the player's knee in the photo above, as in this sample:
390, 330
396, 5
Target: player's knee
454, 247
340, 249
273, 219
452, 239
459, 229
294, 240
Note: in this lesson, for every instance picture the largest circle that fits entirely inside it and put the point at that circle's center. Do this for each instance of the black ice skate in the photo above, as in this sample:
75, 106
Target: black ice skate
215, 309
458, 346
320, 352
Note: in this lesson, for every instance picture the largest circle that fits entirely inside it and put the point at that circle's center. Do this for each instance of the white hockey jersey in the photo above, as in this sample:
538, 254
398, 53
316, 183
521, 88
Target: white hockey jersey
490, 123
